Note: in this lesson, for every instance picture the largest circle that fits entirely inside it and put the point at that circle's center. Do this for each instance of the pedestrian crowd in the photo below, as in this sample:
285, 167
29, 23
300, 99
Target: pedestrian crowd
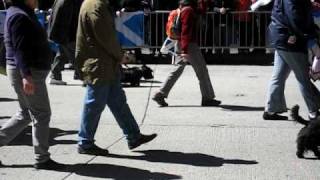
85, 35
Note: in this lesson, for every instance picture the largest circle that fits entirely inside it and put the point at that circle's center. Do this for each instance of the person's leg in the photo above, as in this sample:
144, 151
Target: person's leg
22, 118
172, 78
169, 83
58, 65
94, 104
117, 102
199, 65
298, 62
39, 108
276, 102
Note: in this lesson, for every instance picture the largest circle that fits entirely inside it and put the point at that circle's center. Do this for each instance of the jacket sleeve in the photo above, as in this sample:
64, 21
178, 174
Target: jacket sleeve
102, 25
21, 35
60, 21
296, 17
187, 23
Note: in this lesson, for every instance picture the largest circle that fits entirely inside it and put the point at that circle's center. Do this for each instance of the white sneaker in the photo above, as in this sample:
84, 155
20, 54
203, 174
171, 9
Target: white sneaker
57, 82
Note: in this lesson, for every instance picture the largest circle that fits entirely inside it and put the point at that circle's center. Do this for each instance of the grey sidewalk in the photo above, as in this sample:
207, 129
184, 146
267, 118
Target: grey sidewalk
194, 142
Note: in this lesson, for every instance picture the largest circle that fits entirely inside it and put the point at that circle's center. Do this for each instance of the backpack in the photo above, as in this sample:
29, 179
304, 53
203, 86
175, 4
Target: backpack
173, 26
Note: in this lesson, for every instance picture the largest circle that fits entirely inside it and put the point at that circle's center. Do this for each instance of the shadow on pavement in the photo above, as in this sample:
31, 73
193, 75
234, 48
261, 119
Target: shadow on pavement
241, 108
119, 172
5, 117
25, 137
108, 171
7, 99
194, 159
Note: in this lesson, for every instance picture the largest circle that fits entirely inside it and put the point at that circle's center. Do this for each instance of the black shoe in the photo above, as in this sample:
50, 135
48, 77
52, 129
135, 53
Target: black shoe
49, 165
211, 102
142, 140
93, 150
275, 116
159, 99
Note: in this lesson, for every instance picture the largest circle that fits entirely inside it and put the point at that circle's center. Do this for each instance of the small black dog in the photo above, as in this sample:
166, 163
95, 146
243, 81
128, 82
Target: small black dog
309, 136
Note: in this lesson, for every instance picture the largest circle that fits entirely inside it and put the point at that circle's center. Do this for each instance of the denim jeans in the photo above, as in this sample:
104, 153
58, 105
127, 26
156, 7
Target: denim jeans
284, 62
32, 108
96, 98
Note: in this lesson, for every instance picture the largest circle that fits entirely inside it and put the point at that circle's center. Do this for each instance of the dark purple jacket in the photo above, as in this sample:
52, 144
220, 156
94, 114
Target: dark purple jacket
25, 41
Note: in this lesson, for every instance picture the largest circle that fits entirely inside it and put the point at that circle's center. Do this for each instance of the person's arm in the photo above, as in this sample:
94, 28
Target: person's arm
102, 25
295, 18
187, 23
21, 36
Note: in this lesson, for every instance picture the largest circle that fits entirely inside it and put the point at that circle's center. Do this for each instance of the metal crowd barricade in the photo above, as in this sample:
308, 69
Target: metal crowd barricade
241, 30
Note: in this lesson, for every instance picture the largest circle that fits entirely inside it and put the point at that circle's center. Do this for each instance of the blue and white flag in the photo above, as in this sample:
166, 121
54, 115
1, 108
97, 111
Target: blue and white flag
130, 29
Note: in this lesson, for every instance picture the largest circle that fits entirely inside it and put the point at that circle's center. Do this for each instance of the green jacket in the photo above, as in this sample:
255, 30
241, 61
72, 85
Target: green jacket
98, 52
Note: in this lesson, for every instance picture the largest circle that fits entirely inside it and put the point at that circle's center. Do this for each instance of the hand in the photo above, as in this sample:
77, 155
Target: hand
185, 57
28, 85
125, 59
292, 39
223, 10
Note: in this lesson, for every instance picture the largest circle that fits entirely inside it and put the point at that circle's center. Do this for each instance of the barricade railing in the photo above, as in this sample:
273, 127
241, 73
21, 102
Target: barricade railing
238, 29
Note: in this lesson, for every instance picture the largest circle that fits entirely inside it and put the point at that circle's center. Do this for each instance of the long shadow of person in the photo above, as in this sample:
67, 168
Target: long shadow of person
5, 117
241, 108
109, 171
194, 159
25, 137
120, 172
7, 99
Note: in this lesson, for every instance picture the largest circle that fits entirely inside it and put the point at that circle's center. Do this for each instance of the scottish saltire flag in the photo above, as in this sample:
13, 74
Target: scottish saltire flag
130, 29
169, 46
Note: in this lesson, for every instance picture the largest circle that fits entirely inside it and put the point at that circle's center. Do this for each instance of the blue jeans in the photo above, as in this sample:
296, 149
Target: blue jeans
284, 62
97, 97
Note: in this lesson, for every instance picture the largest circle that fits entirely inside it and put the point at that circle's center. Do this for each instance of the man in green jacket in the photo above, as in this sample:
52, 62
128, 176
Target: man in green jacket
98, 57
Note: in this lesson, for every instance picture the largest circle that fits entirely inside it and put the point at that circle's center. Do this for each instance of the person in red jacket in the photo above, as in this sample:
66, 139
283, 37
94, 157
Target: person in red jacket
189, 52
244, 20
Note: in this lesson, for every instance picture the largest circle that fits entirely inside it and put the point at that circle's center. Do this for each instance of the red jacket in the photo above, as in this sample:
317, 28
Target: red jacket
189, 27
243, 5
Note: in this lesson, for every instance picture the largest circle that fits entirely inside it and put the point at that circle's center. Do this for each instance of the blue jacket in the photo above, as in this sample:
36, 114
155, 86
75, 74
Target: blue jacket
291, 17
26, 41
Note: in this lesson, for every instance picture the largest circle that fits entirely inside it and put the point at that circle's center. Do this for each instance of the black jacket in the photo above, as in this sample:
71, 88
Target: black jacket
63, 22
291, 18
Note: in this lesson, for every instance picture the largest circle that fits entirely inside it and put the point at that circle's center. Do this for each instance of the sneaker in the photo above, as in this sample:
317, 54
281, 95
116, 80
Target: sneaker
49, 165
211, 102
57, 82
159, 99
141, 140
93, 150
273, 116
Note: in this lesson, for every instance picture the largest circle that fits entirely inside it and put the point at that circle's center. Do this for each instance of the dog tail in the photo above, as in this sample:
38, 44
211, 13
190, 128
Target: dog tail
296, 117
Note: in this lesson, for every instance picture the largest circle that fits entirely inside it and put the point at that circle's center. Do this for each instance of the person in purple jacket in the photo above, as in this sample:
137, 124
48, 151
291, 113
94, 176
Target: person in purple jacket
28, 64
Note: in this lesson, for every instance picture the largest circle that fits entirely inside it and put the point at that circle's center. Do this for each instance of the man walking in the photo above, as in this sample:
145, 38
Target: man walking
189, 52
98, 57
